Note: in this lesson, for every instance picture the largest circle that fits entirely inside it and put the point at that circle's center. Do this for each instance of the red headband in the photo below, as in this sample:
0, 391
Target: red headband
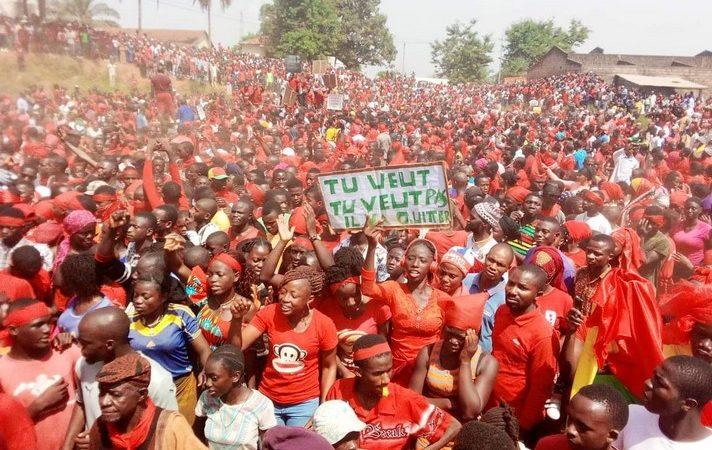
333, 287
23, 316
657, 219
592, 197
228, 261
104, 197
7, 221
365, 353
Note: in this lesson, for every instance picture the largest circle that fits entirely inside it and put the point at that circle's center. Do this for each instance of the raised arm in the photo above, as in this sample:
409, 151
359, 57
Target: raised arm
323, 255
269, 274
474, 395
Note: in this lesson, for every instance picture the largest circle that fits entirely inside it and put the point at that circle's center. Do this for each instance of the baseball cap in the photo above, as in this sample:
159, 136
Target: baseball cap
335, 419
217, 173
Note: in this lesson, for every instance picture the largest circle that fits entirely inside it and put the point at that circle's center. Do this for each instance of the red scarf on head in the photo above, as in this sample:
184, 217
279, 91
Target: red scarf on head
134, 438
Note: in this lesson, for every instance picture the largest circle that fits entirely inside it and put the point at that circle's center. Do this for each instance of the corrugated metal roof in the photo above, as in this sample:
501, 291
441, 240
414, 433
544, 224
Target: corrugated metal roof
669, 82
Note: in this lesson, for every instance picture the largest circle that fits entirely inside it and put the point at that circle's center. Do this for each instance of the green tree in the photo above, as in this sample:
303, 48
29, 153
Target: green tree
207, 6
463, 55
365, 40
89, 12
308, 28
528, 40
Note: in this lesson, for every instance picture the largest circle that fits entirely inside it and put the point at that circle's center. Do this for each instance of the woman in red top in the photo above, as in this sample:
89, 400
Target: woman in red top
345, 306
301, 365
415, 305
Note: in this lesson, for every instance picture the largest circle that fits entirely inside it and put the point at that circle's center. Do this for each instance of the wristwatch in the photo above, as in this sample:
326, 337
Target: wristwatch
315, 237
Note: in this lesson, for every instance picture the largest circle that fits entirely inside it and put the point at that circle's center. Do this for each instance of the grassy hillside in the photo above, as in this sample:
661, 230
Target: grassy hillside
66, 71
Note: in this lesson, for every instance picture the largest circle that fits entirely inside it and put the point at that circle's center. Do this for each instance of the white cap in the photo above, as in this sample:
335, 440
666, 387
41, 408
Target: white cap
94, 185
335, 419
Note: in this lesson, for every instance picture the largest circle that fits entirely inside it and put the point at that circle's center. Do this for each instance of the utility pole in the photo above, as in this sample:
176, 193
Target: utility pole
140, 7
403, 63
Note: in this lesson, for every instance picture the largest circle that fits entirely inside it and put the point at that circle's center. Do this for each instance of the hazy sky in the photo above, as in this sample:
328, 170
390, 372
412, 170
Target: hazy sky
679, 27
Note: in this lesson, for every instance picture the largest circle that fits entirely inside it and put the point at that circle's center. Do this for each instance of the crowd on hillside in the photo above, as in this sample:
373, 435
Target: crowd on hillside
169, 278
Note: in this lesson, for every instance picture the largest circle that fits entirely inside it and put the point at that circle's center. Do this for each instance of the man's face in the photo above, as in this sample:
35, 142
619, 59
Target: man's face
660, 395
106, 171
279, 179
46, 168
119, 401
311, 178
28, 174
546, 233
521, 291
270, 223
375, 373
588, 426
598, 254
551, 196
163, 226
139, 230
283, 202
94, 348
484, 184
496, 264
240, 214
10, 234
35, 335
532, 206
701, 341
296, 196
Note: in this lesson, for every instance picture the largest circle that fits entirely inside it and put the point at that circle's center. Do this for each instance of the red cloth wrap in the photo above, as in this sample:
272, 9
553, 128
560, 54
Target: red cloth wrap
365, 353
657, 219
6, 221
333, 287
104, 197
627, 315
632, 255
228, 261
593, 198
465, 312
136, 437
687, 303
23, 316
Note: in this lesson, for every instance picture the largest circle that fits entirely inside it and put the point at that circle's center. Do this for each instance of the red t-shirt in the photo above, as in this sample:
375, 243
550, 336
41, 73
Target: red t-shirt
17, 431
526, 349
555, 305
397, 420
28, 379
348, 330
443, 242
553, 442
13, 287
291, 374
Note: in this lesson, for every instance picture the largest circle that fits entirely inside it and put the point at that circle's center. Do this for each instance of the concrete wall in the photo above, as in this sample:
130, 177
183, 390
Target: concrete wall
554, 63
698, 75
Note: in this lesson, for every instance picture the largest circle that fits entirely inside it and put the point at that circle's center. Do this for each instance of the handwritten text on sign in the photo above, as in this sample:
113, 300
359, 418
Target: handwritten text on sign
403, 196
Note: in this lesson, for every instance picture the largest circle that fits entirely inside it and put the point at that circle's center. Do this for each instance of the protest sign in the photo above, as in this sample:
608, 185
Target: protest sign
335, 102
290, 96
403, 196
320, 66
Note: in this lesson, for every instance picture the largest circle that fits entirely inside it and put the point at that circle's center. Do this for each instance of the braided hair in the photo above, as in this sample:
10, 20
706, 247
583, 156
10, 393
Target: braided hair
230, 357
348, 262
503, 417
313, 276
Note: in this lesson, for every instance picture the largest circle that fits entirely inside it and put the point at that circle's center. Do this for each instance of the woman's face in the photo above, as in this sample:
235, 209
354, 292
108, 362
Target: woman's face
692, 210
221, 278
453, 339
294, 297
395, 256
417, 262
349, 298
219, 379
256, 257
147, 298
450, 277
83, 240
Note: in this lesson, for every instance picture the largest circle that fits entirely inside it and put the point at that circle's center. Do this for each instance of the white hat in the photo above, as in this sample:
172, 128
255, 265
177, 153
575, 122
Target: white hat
94, 185
335, 419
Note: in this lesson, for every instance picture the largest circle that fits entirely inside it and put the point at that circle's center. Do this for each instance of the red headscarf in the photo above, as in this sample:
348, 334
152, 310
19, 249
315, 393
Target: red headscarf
632, 256
465, 312
549, 259
688, 303
517, 193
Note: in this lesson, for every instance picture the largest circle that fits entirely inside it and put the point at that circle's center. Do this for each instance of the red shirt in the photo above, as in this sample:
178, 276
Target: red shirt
291, 374
17, 431
397, 420
348, 330
554, 442
235, 239
444, 241
526, 349
555, 305
13, 287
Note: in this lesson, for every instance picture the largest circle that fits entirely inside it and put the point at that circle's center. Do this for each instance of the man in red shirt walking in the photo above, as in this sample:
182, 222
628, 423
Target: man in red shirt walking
525, 346
395, 416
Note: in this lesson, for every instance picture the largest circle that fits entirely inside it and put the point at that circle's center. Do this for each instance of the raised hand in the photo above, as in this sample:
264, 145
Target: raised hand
286, 233
470, 348
373, 230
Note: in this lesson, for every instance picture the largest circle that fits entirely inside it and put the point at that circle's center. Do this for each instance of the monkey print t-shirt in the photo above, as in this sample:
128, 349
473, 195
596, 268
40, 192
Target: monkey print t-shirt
292, 372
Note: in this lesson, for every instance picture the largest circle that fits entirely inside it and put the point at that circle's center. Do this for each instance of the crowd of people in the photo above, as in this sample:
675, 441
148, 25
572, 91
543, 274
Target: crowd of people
170, 279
